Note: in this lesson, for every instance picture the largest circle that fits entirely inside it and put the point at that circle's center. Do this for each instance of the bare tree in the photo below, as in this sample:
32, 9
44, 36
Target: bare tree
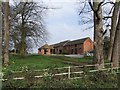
1, 57
86, 13
27, 27
116, 45
113, 28
98, 32
103, 16
0, 33
6, 33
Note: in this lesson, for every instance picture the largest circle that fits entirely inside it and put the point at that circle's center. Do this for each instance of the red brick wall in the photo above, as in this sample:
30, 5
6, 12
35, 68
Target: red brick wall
70, 49
42, 52
80, 48
48, 53
88, 45
57, 49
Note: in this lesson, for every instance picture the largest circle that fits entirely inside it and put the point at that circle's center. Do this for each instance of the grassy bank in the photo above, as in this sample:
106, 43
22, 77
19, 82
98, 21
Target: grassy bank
41, 62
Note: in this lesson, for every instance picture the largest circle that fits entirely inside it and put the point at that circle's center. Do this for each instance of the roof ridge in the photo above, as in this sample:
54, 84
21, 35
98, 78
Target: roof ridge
63, 43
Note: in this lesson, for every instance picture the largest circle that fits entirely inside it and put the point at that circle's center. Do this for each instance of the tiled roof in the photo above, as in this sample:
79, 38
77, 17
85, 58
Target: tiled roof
68, 42
78, 41
46, 46
63, 43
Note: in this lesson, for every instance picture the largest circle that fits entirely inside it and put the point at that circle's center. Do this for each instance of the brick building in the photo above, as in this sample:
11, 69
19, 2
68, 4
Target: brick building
79, 46
45, 49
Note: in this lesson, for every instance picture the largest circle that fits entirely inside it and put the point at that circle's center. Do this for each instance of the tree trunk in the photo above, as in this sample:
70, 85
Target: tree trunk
113, 28
98, 35
0, 34
22, 49
0, 43
6, 33
116, 46
23, 37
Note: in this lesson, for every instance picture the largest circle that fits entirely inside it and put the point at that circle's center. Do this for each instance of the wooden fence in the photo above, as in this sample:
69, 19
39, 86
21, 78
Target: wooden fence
69, 71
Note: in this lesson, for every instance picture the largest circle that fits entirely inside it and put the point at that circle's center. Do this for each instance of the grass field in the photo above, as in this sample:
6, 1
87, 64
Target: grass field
36, 62
42, 62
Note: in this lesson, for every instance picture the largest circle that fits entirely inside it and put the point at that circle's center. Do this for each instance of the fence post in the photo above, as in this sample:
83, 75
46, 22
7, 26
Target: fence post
69, 72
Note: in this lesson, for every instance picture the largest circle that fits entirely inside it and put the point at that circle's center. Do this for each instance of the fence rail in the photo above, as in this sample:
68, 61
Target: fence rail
66, 67
69, 72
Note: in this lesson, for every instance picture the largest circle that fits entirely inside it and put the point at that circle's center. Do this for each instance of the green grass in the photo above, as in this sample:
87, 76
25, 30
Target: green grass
84, 60
41, 62
91, 80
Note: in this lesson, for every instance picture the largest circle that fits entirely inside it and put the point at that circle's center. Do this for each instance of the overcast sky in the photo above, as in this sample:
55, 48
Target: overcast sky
62, 23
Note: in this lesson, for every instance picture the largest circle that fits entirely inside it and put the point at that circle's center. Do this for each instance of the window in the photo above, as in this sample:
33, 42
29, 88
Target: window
75, 51
75, 45
72, 51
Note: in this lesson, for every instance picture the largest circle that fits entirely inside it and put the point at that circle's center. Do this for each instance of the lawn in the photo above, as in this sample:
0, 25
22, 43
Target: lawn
42, 62
88, 80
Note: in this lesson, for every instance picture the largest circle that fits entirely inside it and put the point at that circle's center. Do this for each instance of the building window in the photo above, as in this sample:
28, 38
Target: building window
60, 51
72, 51
75, 45
45, 51
75, 51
